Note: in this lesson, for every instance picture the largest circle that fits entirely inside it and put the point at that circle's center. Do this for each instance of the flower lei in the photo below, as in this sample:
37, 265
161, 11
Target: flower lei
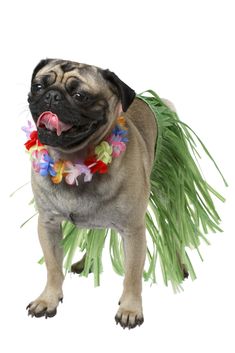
58, 170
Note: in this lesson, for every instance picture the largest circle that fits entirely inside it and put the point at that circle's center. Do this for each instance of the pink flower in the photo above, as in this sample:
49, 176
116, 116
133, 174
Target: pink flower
74, 170
118, 144
37, 157
118, 148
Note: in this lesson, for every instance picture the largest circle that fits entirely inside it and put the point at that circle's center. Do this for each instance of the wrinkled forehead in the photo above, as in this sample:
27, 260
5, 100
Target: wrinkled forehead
89, 76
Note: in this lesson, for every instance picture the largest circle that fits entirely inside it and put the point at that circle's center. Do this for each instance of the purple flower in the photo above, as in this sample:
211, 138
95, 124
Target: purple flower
117, 131
28, 129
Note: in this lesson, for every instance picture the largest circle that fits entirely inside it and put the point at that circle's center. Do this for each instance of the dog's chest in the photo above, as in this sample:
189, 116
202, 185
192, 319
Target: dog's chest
86, 205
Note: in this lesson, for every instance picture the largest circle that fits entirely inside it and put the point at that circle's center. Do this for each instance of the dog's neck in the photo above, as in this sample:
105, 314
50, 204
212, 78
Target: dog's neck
73, 156
92, 158
81, 152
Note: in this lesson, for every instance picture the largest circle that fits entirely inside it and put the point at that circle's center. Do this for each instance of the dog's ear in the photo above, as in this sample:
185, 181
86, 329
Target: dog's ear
39, 66
125, 93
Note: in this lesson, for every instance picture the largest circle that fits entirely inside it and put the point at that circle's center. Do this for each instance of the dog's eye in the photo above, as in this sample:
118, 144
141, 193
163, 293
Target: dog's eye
36, 87
80, 97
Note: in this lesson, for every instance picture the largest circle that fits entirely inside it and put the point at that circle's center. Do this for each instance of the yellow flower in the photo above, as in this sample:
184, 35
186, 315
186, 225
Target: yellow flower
35, 148
104, 152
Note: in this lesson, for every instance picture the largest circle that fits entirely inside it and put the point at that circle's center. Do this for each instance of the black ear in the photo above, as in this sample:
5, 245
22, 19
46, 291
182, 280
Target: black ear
126, 94
39, 66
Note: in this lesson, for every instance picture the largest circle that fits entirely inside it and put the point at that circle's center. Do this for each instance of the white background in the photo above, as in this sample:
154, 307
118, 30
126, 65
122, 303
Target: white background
185, 51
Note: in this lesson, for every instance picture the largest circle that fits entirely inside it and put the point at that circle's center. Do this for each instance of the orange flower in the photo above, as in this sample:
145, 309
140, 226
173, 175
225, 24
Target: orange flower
122, 122
59, 168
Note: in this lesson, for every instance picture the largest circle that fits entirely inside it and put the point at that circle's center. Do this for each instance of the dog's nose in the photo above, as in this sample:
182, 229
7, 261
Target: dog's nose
52, 98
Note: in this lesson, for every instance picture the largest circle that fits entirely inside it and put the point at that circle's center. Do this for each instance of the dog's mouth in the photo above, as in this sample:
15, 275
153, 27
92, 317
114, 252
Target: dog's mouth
54, 132
50, 121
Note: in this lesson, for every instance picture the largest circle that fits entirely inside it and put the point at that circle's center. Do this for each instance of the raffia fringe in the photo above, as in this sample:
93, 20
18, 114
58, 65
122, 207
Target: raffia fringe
180, 213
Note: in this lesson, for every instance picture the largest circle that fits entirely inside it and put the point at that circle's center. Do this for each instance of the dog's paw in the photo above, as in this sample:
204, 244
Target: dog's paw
130, 313
129, 319
79, 266
45, 305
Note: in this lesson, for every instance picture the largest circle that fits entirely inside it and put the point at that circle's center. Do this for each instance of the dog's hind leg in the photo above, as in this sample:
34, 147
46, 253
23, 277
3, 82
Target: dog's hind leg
130, 313
78, 267
183, 267
50, 236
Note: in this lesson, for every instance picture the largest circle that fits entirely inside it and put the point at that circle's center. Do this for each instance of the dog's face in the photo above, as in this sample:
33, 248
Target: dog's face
74, 104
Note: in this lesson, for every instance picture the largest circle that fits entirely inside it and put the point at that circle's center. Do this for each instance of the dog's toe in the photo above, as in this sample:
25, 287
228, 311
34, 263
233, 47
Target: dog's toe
40, 309
50, 313
45, 305
40, 313
129, 319
130, 312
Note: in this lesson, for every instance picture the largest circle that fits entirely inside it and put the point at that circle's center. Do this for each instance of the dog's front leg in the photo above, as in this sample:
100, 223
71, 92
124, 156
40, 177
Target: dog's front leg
50, 236
130, 313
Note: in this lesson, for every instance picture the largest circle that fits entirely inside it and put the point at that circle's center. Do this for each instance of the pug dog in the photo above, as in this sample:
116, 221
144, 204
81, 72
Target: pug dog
87, 101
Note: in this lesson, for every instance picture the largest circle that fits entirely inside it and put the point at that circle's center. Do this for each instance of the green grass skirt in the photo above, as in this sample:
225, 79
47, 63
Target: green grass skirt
181, 210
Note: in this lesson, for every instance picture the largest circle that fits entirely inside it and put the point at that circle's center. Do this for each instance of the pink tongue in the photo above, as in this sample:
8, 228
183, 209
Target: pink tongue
52, 122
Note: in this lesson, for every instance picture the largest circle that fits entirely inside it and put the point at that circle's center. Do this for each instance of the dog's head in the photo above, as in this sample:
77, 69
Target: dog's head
74, 104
